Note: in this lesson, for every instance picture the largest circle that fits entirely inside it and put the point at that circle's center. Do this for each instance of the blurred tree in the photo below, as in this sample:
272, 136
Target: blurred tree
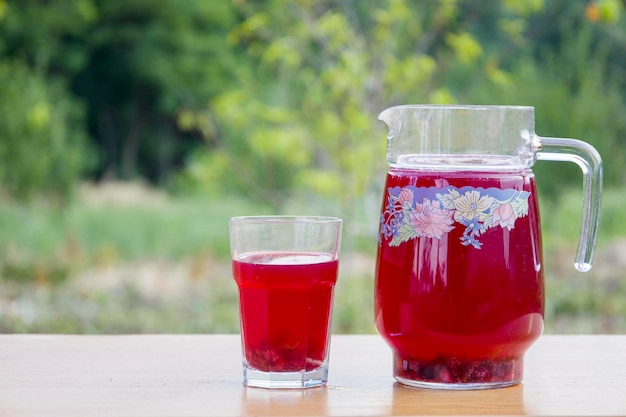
139, 67
571, 66
294, 86
302, 121
41, 140
149, 64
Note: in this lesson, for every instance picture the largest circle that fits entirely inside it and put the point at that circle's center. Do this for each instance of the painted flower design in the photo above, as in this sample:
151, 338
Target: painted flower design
430, 212
473, 228
406, 198
504, 216
430, 220
471, 205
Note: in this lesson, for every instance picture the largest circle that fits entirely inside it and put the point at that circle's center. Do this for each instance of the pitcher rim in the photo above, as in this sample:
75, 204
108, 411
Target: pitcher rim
463, 106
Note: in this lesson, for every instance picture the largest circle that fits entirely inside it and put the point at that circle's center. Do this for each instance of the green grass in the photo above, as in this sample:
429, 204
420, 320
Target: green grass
592, 302
162, 266
561, 219
39, 239
171, 229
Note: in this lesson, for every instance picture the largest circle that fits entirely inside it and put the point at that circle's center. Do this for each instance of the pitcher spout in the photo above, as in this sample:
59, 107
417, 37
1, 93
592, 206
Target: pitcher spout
390, 117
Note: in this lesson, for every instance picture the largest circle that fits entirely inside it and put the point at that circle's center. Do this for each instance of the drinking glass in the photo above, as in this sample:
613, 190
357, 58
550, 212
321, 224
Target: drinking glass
285, 268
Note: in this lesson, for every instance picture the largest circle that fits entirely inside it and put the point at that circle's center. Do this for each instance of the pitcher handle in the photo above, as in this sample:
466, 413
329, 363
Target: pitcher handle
588, 159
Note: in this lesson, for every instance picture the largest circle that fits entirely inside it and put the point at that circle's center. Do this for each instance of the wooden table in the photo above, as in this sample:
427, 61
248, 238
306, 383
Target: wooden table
200, 375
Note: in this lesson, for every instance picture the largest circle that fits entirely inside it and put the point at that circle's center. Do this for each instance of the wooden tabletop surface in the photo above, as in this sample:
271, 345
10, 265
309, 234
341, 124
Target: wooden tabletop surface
200, 375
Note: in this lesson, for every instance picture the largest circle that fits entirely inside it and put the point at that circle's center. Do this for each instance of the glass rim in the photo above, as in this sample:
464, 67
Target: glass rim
285, 219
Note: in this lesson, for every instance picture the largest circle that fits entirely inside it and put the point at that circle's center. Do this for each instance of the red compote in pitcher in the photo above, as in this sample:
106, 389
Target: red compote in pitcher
459, 292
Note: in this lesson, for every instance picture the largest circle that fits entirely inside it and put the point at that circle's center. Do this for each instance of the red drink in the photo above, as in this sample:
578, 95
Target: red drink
459, 285
285, 301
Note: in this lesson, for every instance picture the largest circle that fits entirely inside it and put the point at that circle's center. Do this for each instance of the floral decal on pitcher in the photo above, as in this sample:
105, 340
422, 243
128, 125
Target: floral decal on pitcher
431, 212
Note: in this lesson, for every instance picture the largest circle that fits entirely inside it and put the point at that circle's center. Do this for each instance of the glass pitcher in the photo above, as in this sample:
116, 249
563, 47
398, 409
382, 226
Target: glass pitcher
459, 294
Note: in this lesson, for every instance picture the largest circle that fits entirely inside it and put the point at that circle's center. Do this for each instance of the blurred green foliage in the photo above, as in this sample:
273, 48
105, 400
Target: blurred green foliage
303, 117
268, 106
42, 145
277, 99
137, 67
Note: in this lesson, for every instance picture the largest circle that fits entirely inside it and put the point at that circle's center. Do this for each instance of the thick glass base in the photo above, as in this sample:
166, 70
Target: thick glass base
461, 386
458, 374
302, 379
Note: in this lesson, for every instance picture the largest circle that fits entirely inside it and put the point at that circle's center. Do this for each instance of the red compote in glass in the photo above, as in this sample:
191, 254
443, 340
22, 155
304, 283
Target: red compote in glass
459, 284
285, 301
